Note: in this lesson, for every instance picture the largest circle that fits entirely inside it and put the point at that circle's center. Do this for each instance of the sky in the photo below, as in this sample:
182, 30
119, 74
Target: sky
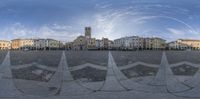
65, 19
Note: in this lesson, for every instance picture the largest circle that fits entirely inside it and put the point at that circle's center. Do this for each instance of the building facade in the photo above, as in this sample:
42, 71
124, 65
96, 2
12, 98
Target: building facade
16, 44
5, 45
110, 45
91, 43
86, 42
52, 44
184, 44
35, 44
80, 43
104, 43
98, 44
139, 43
123, 43
69, 45
22, 44
154, 43
40, 44
129, 43
88, 31
174, 45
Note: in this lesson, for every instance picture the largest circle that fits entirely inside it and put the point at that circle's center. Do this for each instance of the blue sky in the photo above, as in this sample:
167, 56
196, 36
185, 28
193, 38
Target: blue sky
65, 19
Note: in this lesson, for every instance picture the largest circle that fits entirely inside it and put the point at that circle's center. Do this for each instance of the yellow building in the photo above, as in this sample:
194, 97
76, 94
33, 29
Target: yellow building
4, 45
22, 44
15, 44
154, 43
191, 44
159, 43
174, 45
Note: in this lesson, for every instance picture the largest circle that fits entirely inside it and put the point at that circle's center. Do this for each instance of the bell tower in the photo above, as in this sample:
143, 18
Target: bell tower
88, 32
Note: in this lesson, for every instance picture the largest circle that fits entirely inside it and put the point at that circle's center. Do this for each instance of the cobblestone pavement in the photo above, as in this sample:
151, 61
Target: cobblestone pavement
2, 55
48, 58
99, 75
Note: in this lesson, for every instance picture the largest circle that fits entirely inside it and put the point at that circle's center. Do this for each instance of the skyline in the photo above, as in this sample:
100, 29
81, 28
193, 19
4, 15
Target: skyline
64, 20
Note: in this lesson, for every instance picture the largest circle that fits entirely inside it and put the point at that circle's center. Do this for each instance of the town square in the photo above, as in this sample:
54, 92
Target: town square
125, 73
99, 49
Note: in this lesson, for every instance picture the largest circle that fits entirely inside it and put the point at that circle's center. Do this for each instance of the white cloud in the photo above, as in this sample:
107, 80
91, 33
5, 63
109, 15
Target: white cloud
17, 30
175, 31
58, 32
103, 5
107, 20
55, 31
183, 33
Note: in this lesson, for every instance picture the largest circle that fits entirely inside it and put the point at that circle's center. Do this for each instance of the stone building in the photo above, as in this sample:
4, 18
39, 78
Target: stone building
110, 44
52, 44
184, 44
104, 44
91, 43
80, 43
35, 44
129, 43
5, 45
85, 42
88, 32
139, 43
154, 43
98, 43
40, 44
69, 45
22, 44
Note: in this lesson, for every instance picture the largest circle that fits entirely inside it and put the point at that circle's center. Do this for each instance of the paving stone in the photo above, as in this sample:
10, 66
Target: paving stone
179, 56
140, 71
2, 56
131, 85
112, 83
128, 57
173, 84
48, 88
184, 69
48, 58
28, 74
69, 86
7, 87
137, 79
83, 57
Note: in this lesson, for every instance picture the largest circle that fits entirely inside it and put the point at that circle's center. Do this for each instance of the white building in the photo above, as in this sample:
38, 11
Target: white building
52, 44
132, 42
183, 44
40, 44
98, 44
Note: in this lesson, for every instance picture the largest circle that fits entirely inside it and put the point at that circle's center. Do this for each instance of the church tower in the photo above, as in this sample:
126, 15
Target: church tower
88, 32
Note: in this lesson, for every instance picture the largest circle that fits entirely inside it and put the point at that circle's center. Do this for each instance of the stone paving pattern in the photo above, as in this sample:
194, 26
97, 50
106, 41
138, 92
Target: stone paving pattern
48, 58
179, 56
140, 71
32, 73
94, 57
92, 82
128, 57
184, 70
2, 56
89, 74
